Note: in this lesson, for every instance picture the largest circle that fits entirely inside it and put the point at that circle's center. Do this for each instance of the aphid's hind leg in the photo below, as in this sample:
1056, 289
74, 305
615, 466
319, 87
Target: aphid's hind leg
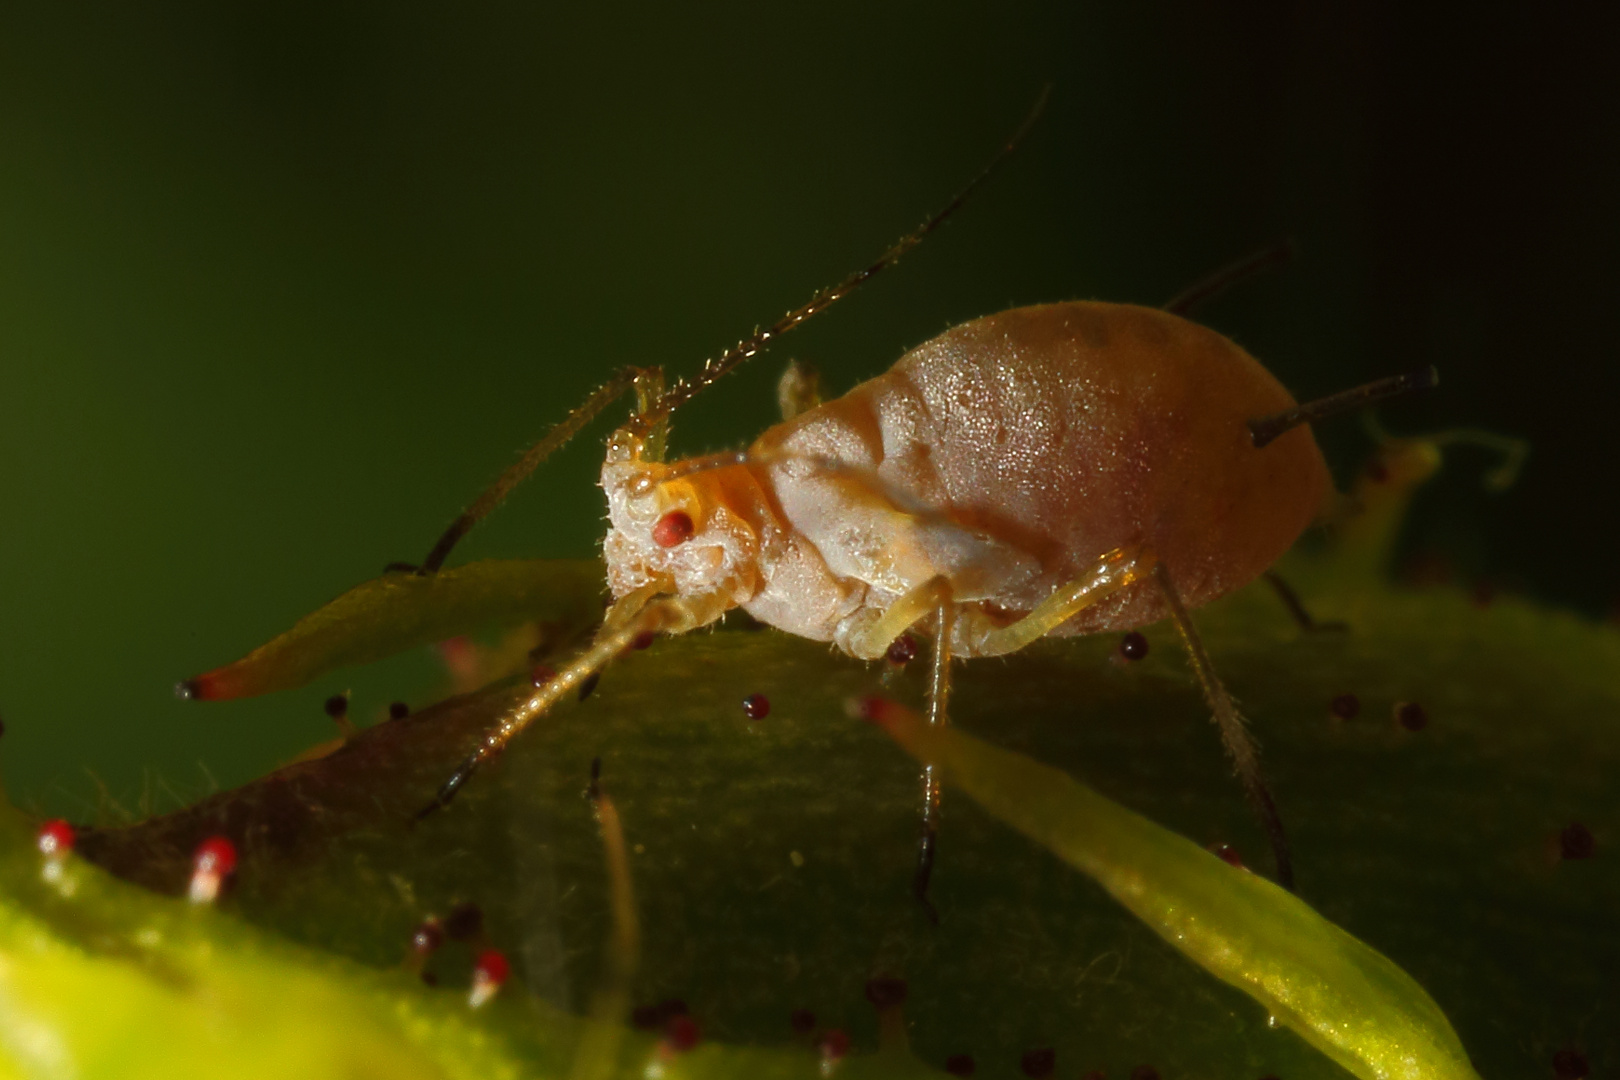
640, 612
1233, 732
939, 698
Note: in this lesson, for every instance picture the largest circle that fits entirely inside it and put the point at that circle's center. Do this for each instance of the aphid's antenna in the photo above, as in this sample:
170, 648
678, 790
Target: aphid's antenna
1228, 276
718, 368
1513, 450
519, 471
1263, 430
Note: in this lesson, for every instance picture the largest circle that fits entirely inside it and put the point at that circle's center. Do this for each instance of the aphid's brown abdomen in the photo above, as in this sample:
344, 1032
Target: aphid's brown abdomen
1066, 430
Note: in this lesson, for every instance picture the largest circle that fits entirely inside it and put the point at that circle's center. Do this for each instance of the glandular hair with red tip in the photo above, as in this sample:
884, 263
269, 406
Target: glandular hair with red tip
489, 975
213, 862
55, 838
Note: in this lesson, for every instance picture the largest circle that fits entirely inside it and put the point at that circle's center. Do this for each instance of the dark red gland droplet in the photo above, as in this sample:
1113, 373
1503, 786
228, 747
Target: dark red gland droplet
834, 1043
541, 674
492, 967
1144, 1072
803, 1021
466, 920
1411, 716
682, 1033
756, 706
902, 650
55, 838
886, 991
1345, 707
643, 639
428, 936
1576, 841
673, 529
1133, 646
1570, 1065
337, 706
215, 856
398, 711
960, 1065
1228, 854
1039, 1063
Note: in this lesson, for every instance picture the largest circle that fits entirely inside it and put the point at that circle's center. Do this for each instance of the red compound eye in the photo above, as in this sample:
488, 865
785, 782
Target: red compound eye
673, 528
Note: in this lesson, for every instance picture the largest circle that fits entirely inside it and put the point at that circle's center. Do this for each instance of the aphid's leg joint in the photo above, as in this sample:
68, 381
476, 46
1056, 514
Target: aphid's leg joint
872, 641
1116, 570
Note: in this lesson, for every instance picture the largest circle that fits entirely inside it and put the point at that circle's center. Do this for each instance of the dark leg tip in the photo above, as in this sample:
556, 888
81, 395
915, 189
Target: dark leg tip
924, 874
404, 568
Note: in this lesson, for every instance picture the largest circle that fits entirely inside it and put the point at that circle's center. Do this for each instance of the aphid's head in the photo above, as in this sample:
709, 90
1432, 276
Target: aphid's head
674, 525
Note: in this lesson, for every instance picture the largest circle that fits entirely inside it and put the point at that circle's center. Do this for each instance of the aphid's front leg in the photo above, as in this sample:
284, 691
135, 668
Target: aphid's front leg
637, 613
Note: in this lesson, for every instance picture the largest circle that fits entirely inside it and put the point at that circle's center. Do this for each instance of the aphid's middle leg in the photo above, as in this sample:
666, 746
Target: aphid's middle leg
1233, 732
939, 698
634, 615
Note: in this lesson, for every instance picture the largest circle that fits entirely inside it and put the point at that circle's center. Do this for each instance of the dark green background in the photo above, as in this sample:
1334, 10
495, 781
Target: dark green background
282, 286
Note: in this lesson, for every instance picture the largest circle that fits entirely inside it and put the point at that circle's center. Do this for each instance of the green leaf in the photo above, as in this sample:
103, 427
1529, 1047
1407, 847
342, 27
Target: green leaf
1344, 998
772, 859
400, 611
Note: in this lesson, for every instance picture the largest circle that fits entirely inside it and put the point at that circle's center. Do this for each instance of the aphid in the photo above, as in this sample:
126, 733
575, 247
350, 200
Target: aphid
490, 973
398, 710
1061, 469
213, 862
756, 706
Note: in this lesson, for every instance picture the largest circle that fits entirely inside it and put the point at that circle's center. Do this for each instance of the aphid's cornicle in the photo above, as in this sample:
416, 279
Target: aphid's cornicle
1060, 469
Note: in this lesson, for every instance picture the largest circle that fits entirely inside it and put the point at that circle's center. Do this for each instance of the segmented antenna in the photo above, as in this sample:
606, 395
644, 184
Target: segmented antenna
719, 367
1228, 276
